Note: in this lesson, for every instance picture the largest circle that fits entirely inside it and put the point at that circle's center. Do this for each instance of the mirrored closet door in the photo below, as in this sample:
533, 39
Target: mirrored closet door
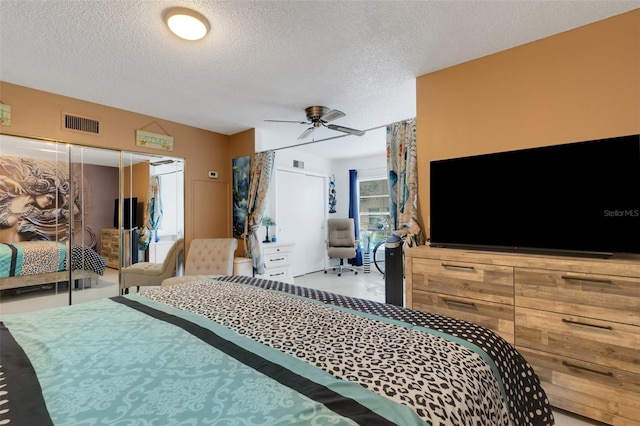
88, 208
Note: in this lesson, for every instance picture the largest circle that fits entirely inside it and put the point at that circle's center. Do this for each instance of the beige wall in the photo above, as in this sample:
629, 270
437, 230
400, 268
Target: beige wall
579, 85
207, 202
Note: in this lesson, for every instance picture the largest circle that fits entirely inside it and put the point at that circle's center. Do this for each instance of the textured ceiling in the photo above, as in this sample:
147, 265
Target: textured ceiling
268, 59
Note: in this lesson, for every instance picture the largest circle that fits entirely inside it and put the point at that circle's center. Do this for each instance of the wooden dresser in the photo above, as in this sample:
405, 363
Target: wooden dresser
575, 320
110, 247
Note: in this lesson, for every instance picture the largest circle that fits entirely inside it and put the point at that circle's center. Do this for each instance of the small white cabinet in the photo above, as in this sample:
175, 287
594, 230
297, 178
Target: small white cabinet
278, 259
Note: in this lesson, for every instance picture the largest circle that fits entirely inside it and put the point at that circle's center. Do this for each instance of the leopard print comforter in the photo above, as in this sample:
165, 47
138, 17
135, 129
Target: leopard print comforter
450, 372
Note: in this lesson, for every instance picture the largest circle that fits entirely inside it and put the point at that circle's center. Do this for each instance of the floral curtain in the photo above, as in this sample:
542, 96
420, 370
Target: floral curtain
261, 172
153, 215
403, 181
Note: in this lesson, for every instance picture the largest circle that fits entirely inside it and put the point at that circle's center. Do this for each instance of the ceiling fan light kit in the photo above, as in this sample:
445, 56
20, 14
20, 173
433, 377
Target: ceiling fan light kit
319, 116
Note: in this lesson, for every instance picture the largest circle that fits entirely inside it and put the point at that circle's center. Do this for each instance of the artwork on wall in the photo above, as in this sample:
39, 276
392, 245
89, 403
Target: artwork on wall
154, 140
241, 168
35, 200
5, 114
332, 194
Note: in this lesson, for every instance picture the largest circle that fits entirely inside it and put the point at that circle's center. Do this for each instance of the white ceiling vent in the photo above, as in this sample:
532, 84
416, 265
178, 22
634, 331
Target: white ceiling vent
81, 124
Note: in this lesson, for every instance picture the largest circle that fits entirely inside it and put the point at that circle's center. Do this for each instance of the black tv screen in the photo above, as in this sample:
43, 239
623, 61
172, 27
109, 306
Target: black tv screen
129, 213
581, 197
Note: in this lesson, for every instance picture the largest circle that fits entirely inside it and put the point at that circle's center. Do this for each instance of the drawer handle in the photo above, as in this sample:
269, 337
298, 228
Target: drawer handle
460, 303
604, 327
275, 275
591, 370
276, 260
587, 279
460, 267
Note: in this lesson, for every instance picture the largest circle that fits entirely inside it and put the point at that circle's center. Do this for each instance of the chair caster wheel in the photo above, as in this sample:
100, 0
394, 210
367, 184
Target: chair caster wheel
325, 272
356, 273
339, 274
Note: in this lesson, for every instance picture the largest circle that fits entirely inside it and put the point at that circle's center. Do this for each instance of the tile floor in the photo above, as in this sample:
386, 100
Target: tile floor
368, 286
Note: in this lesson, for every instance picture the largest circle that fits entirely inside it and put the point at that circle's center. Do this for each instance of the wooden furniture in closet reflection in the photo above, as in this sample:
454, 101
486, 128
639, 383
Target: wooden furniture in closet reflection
110, 246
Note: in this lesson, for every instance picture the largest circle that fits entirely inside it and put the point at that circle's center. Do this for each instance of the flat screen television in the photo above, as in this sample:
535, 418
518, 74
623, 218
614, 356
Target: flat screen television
129, 213
578, 198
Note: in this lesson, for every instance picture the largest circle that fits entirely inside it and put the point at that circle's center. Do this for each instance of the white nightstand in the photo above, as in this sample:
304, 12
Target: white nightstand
278, 258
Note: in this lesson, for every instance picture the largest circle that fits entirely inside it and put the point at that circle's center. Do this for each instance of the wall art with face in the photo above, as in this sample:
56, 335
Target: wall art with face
35, 199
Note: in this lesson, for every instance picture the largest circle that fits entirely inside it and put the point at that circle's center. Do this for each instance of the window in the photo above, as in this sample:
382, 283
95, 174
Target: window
374, 211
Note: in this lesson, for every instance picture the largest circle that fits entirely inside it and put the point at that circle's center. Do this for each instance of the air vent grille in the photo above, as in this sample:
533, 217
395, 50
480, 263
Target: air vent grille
82, 124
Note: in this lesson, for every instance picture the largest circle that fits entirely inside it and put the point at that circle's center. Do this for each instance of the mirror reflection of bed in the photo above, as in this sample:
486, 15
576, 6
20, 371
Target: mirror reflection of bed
39, 204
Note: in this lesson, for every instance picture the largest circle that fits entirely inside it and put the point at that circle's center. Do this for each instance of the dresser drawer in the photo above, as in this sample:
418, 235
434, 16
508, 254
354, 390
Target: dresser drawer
490, 283
606, 394
494, 316
609, 344
604, 297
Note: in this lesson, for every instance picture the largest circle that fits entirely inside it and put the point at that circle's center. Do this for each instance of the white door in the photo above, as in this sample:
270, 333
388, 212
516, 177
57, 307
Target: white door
301, 218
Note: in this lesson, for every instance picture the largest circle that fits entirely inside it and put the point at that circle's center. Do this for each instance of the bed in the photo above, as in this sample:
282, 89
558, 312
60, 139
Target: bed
248, 351
32, 263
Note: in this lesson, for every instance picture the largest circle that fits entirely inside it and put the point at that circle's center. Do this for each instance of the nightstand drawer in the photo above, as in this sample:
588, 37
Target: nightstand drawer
605, 297
497, 317
606, 343
277, 274
272, 249
276, 260
491, 283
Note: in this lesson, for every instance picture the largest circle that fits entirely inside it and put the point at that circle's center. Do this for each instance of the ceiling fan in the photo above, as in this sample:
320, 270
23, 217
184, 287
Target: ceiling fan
319, 116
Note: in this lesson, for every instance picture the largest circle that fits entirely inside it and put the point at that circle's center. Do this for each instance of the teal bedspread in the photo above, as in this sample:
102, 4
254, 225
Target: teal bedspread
31, 257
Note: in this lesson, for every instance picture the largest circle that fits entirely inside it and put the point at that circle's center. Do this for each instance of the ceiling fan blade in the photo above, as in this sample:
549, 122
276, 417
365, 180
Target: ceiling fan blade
306, 133
334, 114
345, 129
288, 121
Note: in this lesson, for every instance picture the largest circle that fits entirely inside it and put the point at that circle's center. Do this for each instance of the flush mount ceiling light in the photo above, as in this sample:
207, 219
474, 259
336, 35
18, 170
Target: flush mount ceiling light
186, 23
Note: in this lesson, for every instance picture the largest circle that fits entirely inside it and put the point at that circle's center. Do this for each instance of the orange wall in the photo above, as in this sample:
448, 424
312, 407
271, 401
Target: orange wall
136, 182
38, 114
579, 85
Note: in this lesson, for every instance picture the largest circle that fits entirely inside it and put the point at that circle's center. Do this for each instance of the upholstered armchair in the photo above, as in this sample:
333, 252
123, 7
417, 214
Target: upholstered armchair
148, 274
342, 242
207, 257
